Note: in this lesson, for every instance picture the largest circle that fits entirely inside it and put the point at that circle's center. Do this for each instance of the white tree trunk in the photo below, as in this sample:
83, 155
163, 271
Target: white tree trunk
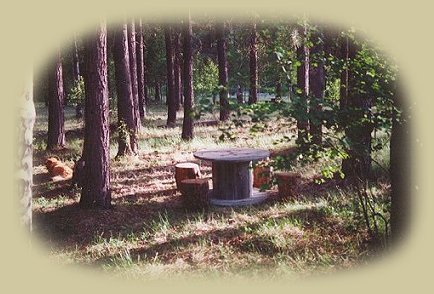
27, 116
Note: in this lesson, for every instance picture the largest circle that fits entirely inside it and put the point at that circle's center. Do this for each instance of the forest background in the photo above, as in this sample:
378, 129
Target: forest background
30, 32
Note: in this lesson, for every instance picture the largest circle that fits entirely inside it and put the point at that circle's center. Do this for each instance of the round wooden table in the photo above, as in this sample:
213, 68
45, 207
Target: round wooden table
232, 175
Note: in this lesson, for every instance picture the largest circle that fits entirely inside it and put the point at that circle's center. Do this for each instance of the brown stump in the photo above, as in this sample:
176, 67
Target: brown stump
186, 170
195, 193
261, 176
287, 183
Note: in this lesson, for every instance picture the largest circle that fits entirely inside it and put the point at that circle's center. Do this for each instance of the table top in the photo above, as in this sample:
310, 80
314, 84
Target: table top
232, 154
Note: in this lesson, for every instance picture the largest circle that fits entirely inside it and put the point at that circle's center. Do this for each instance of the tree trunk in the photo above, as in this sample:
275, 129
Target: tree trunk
141, 71
177, 70
240, 99
223, 72
253, 62
96, 152
75, 61
303, 90
357, 129
75, 76
317, 87
170, 96
278, 89
187, 125
343, 90
133, 72
126, 112
400, 171
145, 80
157, 92
25, 153
56, 117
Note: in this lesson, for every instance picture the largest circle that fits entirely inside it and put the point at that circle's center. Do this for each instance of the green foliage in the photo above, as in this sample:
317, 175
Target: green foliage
76, 95
155, 54
124, 133
205, 76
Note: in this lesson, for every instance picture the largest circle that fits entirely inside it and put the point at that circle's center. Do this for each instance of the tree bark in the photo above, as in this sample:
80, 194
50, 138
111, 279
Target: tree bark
253, 62
343, 90
75, 61
75, 76
157, 92
357, 129
96, 184
317, 87
303, 89
400, 170
187, 125
56, 116
278, 89
25, 153
141, 71
240, 99
133, 72
170, 100
126, 112
177, 70
223, 72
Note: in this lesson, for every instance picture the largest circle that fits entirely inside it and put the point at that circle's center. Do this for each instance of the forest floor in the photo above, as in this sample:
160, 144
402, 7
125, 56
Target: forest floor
149, 234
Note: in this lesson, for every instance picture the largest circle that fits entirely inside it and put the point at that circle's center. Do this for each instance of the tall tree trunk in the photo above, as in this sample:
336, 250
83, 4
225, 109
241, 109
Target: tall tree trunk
357, 129
303, 89
170, 100
133, 72
400, 170
317, 87
253, 62
187, 125
157, 91
343, 90
240, 98
177, 69
75, 61
145, 79
96, 183
56, 117
141, 71
223, 72
75, 76
25, 153
127, 125
278, 89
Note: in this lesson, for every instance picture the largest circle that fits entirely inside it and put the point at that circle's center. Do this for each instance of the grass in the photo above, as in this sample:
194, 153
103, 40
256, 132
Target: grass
149, 235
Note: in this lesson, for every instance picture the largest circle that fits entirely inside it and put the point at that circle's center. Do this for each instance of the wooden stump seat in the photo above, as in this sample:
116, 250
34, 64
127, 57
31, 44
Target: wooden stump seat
287, 183
261, 176
195, 193
186, 170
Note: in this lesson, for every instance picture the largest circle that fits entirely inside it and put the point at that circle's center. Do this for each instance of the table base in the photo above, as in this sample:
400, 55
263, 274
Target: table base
256, 198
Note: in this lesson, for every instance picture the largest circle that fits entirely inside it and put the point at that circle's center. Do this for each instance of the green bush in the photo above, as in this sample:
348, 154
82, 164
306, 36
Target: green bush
76, 96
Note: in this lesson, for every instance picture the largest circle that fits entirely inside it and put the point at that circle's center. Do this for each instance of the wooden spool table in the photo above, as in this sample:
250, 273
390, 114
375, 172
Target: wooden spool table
232, 175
